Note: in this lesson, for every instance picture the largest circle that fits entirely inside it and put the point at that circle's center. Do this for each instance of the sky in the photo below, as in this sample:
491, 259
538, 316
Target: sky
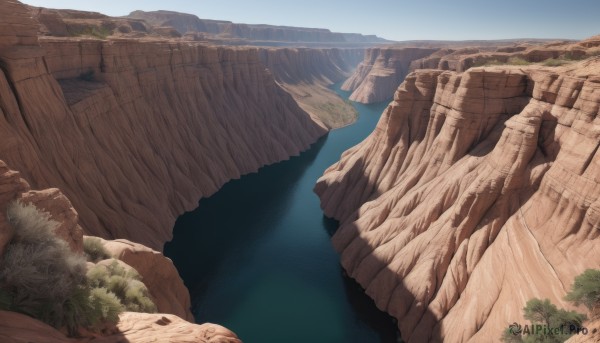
391, 19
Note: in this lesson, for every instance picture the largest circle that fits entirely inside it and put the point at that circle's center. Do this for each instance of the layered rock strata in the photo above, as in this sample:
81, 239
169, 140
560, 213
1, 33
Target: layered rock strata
184, 23
382, 70
134, 133
475, 193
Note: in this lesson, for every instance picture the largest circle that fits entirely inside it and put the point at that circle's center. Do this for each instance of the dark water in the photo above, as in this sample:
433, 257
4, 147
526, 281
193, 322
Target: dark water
257, 256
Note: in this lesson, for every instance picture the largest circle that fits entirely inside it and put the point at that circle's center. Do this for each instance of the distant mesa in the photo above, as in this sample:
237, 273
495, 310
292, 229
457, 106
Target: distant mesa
226, 30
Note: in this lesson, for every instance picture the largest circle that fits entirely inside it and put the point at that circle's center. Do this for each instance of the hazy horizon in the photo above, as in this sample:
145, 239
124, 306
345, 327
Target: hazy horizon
393, 20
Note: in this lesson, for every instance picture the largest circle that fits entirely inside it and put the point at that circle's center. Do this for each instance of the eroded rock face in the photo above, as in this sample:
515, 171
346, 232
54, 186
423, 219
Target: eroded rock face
381, 71
135, 132
475, 193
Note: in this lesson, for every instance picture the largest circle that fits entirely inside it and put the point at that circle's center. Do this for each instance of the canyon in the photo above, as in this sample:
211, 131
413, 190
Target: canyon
134, 130
476, 192
122, 122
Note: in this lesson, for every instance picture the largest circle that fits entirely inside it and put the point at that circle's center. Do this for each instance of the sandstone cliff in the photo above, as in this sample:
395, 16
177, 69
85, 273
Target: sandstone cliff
475, 193
521, 53
135, 132
382, 70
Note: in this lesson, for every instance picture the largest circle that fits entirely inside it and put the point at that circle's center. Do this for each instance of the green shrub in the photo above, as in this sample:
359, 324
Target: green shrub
94, 249
92, 31
125, 284
42, 277
553, 62
107, 303
586, 289
495, 62
518, 61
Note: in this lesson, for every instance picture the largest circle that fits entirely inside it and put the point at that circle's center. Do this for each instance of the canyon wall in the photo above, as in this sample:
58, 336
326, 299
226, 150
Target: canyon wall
184, 22
135, 132
381, 71
307, 75
475, 193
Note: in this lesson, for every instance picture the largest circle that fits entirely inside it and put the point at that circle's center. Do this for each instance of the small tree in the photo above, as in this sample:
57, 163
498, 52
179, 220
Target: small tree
543, 312
586, 290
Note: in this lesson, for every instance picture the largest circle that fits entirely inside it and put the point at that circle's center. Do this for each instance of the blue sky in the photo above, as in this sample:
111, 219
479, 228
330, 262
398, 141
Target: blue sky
391, 19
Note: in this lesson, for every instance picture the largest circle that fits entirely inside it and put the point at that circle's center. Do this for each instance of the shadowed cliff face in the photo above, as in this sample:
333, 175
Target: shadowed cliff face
148, 129
380, 73
475, 193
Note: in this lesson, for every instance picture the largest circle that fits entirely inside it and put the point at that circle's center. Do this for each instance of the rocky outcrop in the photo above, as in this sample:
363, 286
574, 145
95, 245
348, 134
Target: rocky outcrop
135, 132
475, 193
382, 70
519, 53
307, 75
158, 274
184, 22
132, 328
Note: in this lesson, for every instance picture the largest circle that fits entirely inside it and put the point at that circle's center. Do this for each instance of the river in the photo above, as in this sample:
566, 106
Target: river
257, 256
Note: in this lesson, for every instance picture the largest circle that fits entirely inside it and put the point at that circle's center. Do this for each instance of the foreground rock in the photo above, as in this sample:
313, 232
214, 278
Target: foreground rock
158, 274
132, 328
475, 193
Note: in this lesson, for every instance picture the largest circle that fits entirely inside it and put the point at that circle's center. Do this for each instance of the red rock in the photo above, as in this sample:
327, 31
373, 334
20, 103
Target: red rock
158, 274
475, 193
132, 328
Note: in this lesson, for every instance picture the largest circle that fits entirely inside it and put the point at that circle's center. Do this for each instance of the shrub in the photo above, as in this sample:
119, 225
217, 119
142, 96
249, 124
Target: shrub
125, 284
42, 277
553, 62
107, 303
586, 289
518, 61
92, 31
94, 249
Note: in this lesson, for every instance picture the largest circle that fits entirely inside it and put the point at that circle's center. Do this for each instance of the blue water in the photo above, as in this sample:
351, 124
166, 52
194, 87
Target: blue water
257, 256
